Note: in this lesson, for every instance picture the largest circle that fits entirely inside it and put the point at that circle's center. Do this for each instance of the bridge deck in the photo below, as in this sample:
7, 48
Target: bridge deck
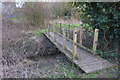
86, 61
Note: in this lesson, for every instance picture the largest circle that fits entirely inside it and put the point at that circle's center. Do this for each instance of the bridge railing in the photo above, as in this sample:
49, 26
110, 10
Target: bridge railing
65, 33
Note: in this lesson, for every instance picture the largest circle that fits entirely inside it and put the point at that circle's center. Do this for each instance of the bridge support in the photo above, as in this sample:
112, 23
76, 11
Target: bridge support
60, 28
49, 31
81, 35
95, 42
68, 31
75, 44
64, 38
54, 30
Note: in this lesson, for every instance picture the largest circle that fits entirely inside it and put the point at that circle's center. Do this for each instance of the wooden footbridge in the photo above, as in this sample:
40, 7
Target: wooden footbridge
84, 58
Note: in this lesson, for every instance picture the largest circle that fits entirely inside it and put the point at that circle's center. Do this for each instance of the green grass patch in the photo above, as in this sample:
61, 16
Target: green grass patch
92, 75
67, 72
72, 26
15, 19
39, 32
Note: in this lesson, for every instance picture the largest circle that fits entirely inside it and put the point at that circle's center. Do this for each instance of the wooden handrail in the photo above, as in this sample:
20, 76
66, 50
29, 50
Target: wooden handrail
67, 38
81, 46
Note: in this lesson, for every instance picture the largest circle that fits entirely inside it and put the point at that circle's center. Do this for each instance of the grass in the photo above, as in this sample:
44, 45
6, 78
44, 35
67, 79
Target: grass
67, 71
15, 19
91, 75
39, 32
72, 26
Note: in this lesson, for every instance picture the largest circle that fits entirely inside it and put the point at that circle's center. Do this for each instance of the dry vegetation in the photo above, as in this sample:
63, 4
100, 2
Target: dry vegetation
26, 55
19, 48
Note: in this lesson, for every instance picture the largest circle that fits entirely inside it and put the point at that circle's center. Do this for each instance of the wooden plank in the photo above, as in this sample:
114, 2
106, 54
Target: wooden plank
96, 67
88, 61
91, 63
93, 68
95, 64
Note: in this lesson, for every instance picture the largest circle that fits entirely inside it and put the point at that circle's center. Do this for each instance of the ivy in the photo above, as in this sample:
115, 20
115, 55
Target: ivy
102, 15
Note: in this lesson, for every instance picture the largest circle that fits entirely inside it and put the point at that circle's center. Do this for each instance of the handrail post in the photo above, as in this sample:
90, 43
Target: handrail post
95, 42
49, 31
46, 29
54, 30
64, 38
69, 31
81, 35
61, 28
50, 26
66, 32
75, 44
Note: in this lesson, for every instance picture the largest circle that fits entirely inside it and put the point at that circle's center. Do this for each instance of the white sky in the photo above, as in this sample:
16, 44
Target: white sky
59, 0
45, 0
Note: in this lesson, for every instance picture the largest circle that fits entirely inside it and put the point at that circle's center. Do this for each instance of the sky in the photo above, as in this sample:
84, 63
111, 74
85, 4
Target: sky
19, 4
60, 0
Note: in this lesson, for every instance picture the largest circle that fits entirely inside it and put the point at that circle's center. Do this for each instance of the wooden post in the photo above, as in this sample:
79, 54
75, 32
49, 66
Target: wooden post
54, 30
95, 40
75, 44
55, 27
61, 28
64, 38
46, 30
68, 33
81, 35
49, 31
51, 26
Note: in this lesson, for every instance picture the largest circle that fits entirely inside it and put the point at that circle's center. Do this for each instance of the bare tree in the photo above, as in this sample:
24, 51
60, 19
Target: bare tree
34, 13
